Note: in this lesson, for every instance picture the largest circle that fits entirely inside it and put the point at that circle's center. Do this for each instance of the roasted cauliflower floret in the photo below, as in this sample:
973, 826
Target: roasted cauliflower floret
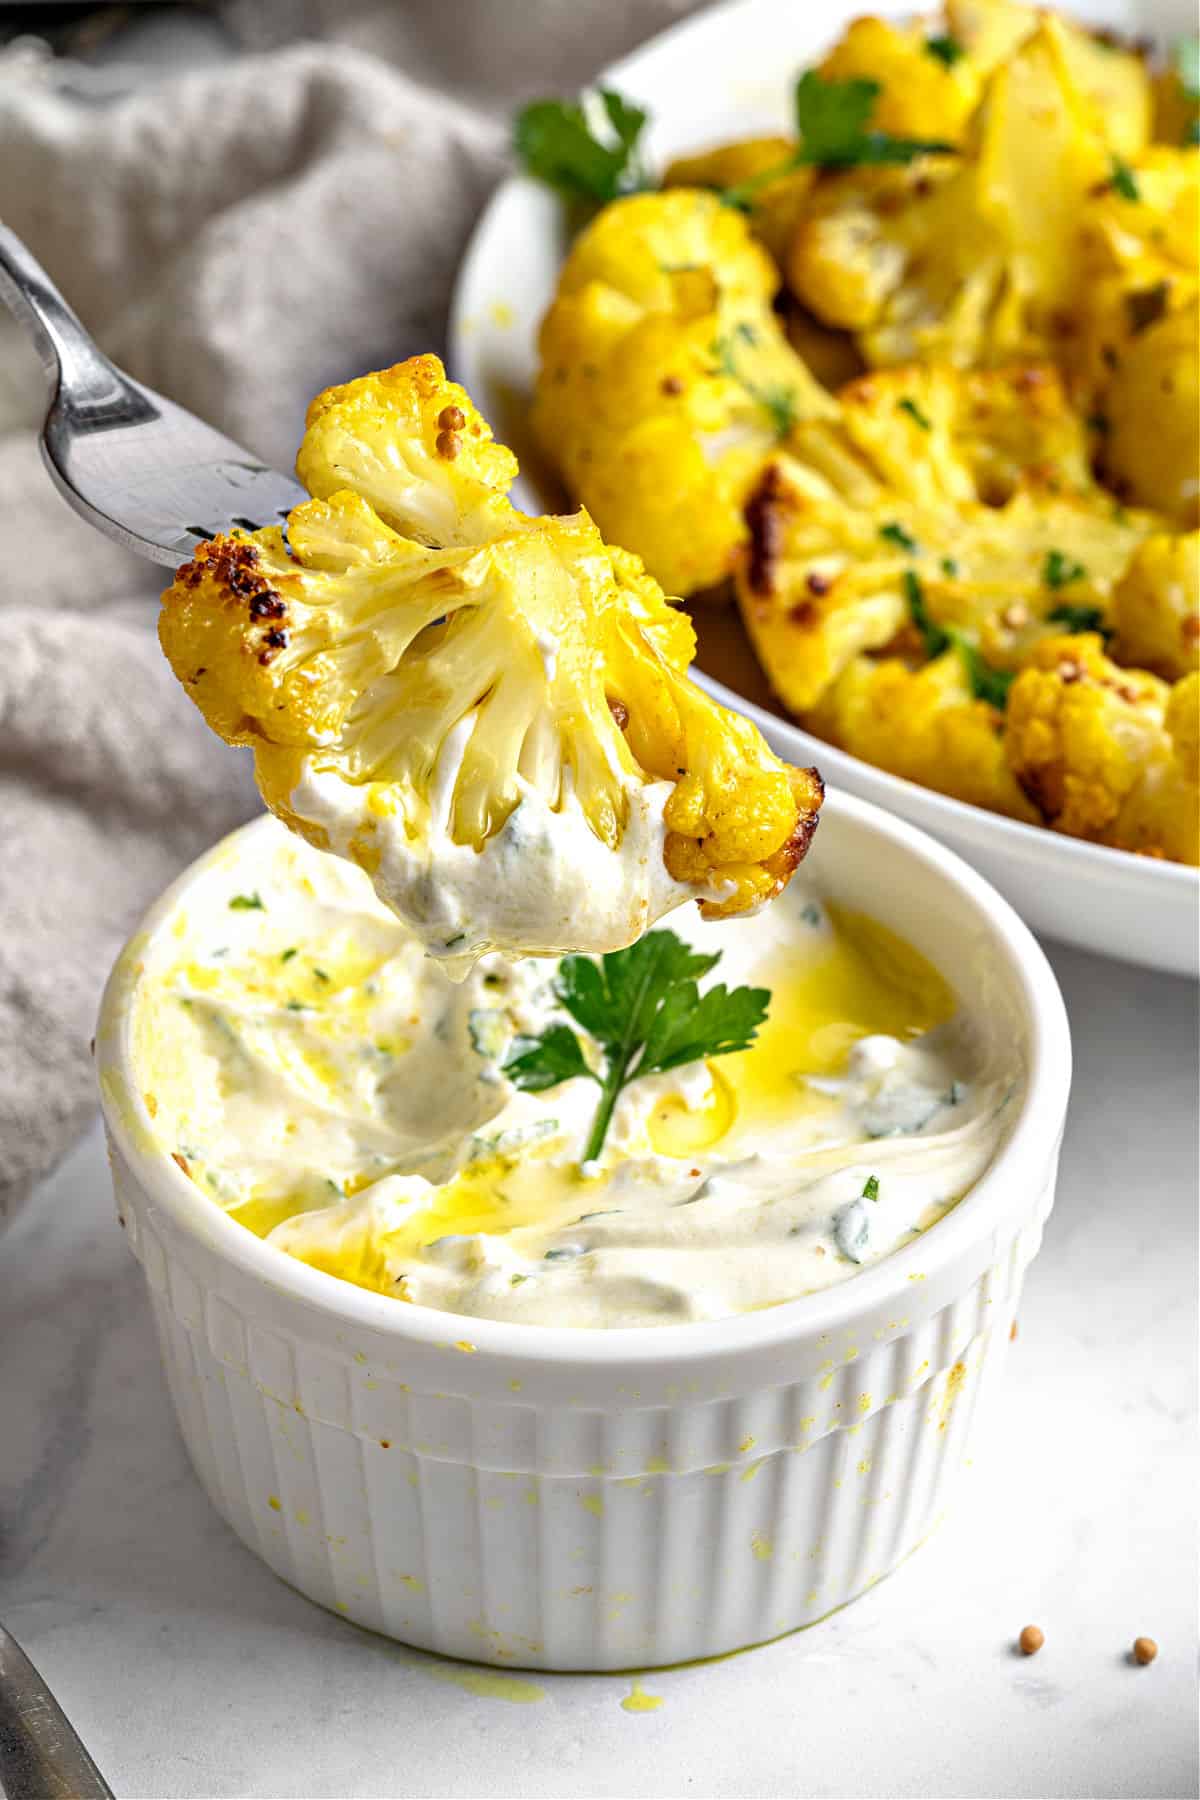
1112, 79
637, 246
942, 504
665, 380
1090, 744
414, 447
968, 259
772, 206
1132, 353
1151, 445
1155, 615
925, 725
1162, 814
1142, 220
499, 730
923, 94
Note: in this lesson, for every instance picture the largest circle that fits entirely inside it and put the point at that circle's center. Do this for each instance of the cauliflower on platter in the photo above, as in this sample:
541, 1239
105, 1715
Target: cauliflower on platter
929, 85
775, 193
967, 259
968, 430
927, 585
1106, 753
489, 713
1132, 356
925, 724
947, 515
666, 380
931, 74
1111, 77
1155, 613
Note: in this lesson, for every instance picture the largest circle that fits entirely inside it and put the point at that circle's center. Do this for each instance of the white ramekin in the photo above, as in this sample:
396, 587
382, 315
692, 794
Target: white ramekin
564, 1499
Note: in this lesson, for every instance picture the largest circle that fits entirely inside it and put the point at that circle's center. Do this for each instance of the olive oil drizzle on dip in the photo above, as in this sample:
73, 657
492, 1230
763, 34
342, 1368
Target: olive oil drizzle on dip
328, 1086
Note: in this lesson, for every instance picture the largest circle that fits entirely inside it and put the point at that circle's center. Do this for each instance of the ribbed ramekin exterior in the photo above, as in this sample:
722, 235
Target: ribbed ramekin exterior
513, 1522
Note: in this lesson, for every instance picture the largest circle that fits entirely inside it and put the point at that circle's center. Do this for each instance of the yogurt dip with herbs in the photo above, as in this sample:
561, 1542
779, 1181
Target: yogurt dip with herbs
334, 1091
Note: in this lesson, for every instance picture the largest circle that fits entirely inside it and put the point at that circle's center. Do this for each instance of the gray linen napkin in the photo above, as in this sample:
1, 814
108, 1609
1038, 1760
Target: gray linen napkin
239, 238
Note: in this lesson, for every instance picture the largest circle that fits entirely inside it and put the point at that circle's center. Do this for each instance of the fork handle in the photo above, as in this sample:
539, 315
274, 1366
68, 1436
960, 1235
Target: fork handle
68, 353
41, 1758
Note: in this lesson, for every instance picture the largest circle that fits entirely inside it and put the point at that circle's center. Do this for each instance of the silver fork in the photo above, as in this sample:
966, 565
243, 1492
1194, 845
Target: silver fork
149, 475
40, 1756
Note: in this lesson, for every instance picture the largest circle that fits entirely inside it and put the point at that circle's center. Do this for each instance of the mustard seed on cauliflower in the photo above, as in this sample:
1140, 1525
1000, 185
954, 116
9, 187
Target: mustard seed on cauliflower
1106, 753
489, 713
666, 380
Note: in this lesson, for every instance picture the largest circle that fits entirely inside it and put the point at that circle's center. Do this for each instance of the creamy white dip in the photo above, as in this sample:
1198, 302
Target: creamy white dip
543, 879
328, 1084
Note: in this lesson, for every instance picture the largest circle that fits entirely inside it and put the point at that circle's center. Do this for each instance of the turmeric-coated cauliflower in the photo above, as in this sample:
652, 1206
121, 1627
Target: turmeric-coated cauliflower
1151, 446
971, 258
1155, 612
946, 513
1112, 78
1106, 753
489, 713
928, 86
931, 72
665, 380
415, 449
774, 193
1132, 354
924, 724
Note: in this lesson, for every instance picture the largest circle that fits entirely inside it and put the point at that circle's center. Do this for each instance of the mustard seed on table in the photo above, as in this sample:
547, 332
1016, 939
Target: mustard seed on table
1031, 1640
1144, 1650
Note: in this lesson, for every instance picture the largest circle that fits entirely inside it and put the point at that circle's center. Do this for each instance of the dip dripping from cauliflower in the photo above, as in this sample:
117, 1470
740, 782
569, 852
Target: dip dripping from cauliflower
488, 713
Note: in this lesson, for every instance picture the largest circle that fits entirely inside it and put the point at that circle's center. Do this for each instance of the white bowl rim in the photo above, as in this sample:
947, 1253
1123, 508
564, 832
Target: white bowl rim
1032, 1140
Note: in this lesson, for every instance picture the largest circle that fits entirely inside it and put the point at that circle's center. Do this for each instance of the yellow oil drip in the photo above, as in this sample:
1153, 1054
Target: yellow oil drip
637, 1700
677, 1129
488, 1686
261, 1213
868, 981
487, 1196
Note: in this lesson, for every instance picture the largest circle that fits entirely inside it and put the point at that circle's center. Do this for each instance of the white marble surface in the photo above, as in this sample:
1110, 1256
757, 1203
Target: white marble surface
191, 1671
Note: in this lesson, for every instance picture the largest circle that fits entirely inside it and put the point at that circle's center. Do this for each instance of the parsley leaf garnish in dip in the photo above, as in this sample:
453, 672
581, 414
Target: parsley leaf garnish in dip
642, 1006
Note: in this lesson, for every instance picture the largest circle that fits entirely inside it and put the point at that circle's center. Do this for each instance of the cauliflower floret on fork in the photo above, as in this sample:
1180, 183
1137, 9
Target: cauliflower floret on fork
489, 713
